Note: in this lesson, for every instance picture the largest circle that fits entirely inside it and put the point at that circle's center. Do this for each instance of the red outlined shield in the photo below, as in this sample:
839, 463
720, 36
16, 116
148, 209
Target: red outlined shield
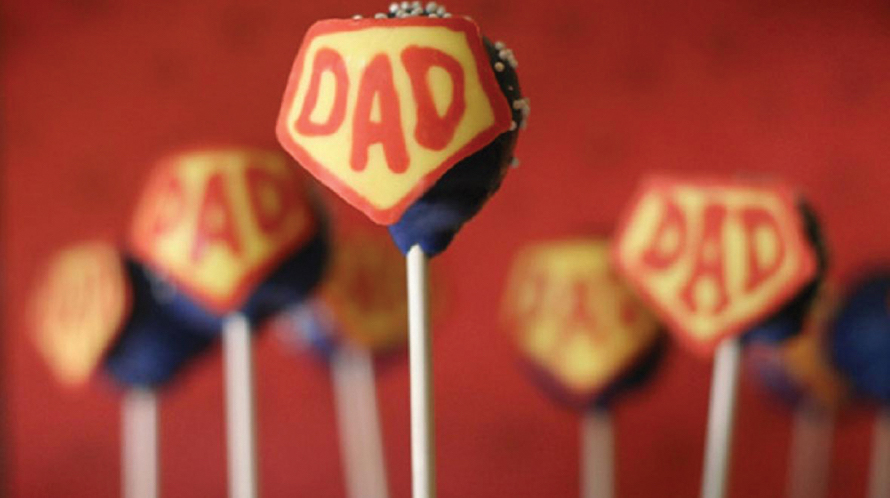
575, 322
79, 306
379, 109
217, 221
713, 257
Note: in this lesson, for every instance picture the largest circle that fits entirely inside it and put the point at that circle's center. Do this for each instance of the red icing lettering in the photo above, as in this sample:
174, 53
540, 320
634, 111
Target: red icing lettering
752, 220
708, 260
672, 221
377, 83
579, 315
325, 60
215, 220
434, 131
270, 198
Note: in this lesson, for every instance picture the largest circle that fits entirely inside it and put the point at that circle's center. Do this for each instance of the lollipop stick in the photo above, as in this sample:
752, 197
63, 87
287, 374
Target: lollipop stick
360, 440
879, 483
139, 426
597, 464
810, 451
423, 451
718, 446
240, 421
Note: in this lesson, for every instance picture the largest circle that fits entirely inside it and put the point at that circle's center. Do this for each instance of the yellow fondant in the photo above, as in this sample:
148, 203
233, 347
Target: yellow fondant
376, 183
78, 309
574, 318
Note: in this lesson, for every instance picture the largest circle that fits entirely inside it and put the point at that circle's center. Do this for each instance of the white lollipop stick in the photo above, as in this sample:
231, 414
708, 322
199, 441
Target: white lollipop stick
240, 416
423, 449
139, 441
810, 451
879, 482
355, 395
721, 415
597, 454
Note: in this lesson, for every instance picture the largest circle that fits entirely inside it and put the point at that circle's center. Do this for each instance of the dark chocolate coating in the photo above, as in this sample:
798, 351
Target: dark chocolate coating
433, 220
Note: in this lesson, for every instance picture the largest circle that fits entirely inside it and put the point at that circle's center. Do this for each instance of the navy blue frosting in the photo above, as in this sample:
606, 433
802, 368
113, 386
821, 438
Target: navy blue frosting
860, 337
151, 347
435, 218
289, 284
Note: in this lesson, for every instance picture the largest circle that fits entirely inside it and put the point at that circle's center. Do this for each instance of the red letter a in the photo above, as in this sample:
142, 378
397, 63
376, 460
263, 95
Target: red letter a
377, 82
709, 261
215, 220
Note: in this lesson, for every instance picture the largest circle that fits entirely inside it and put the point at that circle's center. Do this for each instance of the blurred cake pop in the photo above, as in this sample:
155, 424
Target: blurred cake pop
586, 337
715, 258
360, 304
228, 229
411, 116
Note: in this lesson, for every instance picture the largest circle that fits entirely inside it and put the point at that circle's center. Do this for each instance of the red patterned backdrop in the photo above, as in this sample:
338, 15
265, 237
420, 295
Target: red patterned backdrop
95, 89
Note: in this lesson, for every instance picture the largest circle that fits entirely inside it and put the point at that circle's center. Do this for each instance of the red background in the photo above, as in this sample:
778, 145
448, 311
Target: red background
94, 90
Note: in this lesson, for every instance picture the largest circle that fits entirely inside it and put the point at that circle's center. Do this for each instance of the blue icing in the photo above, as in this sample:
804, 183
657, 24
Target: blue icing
860, 339
290, 283
151, 348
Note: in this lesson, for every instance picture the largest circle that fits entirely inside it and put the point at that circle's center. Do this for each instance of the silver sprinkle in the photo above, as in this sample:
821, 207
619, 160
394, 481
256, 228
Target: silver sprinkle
380, 15
499, 67
393, 7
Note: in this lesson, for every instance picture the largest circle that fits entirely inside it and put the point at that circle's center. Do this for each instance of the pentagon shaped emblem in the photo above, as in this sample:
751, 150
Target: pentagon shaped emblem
217, 221
79, 306
713, 258
576, 323
379, 109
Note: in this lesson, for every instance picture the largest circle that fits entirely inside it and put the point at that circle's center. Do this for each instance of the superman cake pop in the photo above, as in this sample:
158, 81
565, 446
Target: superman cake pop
228, 229
411, 116
585, 337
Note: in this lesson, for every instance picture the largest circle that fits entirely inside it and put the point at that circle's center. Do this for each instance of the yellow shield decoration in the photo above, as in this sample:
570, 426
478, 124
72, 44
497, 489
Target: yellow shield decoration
713, 258
379, 109
575, 320
217, 221
78, 308
365, 291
